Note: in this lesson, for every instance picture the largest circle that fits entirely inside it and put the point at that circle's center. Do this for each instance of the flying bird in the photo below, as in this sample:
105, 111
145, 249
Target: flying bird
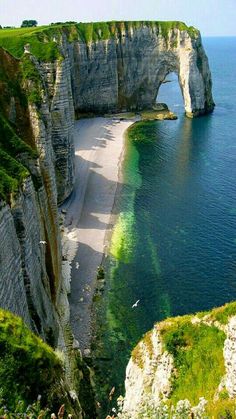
135, 304
42, 242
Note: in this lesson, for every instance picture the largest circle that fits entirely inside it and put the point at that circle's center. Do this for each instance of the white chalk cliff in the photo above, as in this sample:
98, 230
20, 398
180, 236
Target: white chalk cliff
119, 70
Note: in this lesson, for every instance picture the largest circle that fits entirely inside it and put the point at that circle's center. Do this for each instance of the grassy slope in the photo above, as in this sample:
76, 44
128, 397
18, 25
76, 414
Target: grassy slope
28, 367
197, 349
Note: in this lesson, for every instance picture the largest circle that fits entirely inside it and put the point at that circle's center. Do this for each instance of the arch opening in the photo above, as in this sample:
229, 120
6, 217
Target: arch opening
169, 92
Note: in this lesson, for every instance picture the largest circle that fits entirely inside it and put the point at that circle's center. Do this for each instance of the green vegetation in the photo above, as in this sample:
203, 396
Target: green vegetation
14, 151
12, 172
222, 314
30, 73
29, 23
11, 142
33, 411
104, 30
142, 132
28, 367
198, 358
44, 40
40, 40
221, 409
196, 344
166, 27
8, 185
153, 115
100, 272
137, 352
198, 353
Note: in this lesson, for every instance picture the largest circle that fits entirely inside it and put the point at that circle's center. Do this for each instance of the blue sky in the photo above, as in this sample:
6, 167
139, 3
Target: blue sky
212, 17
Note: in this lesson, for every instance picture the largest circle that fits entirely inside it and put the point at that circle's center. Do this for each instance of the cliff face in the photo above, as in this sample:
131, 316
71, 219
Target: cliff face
45, 78
188, 362
36, 169
30, 270
98, 68
125, 72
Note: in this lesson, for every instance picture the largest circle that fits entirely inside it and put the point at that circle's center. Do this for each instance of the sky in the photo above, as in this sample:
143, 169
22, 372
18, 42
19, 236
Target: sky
212, 17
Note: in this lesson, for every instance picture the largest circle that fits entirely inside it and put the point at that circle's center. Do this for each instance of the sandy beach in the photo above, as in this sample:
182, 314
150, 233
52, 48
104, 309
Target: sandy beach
99, 144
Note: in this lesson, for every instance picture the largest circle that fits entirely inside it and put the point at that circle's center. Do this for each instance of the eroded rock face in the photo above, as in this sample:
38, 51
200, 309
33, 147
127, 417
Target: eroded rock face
230, 358
125, 73
61, 109
152, 371
148, 372
12, 289
60, 121
31, 281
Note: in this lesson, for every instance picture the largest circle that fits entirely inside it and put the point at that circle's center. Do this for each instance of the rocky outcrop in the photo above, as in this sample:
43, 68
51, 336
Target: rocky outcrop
148, 372
230, 358
164, 365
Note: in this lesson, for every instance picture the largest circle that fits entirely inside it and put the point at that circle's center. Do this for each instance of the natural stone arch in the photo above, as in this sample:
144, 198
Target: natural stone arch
124, 73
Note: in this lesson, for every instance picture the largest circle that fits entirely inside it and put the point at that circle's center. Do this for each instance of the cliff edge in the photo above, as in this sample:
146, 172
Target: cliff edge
119, 66
185, 366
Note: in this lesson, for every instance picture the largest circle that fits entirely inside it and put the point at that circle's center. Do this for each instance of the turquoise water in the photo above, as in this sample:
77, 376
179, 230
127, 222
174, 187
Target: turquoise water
174, 243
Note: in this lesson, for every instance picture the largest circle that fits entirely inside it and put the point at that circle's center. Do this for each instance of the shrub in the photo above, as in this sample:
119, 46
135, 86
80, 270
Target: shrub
29, 23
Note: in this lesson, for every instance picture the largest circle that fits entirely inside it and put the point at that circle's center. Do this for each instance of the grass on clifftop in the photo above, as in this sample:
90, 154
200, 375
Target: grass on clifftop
28, 367
40, 40
197, 350
45, 40
198, 359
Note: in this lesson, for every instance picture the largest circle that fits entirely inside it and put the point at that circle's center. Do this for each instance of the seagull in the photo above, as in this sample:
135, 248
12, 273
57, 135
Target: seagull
77, 265
42, 242
135, 304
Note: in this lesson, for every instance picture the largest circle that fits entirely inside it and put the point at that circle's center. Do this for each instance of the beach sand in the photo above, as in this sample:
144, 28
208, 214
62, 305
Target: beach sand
99, 144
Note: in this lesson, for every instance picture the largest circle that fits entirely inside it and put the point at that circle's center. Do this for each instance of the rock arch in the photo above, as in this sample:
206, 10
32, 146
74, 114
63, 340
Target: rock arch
125, 73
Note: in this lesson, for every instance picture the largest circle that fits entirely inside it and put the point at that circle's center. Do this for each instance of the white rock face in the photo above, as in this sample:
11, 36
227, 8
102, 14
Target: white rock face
61, 112
31, 283
148, 373
150, 370
230, 358
125, 72
12, 289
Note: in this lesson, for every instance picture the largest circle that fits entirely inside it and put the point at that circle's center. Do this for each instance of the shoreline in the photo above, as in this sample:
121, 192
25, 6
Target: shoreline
88, 214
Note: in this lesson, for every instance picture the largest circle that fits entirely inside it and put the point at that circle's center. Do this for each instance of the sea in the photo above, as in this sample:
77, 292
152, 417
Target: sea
173, 248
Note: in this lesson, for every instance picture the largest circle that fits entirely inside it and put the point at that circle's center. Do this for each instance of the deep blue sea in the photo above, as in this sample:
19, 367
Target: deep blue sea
174, 243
